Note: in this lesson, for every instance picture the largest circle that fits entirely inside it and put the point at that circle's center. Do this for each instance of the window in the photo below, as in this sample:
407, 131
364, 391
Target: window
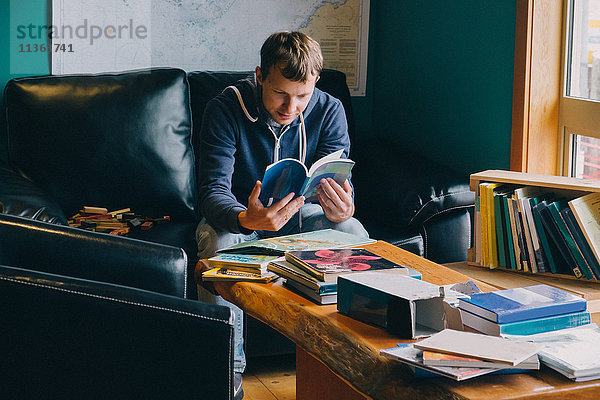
579, 108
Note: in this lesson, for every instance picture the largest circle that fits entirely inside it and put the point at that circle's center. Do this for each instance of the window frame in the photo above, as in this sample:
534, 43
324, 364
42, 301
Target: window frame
536, 144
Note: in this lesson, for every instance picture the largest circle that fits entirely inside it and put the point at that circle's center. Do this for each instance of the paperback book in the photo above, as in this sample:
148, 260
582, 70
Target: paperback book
242, 262
413, 357
327, 264
519, 304
291, 272
586, 210
526, 327
291, 176
314, 240
451, 360
475, 345
320, 297
222, 274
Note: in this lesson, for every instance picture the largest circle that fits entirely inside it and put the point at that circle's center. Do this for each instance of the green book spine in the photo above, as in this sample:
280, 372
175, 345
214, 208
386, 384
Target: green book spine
555, 208
543, 238
511, 247
500, 237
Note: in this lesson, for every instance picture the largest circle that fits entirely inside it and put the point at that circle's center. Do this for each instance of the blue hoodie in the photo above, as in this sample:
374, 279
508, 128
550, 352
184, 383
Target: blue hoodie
237, 145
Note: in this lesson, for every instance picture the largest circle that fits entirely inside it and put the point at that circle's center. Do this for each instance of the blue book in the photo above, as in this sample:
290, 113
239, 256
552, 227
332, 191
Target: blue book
581, 242
519, 304
526, 327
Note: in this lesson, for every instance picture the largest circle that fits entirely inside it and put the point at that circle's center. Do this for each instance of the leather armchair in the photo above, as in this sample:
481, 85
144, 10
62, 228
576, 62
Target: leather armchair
86, 317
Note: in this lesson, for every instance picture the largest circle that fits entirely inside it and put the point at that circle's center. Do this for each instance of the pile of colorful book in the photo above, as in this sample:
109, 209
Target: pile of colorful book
314, 273
119, 222
538, 229
248, 261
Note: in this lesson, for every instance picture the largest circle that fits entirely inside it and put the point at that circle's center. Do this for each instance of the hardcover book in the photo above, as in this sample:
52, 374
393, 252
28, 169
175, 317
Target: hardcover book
526, 327
318, 297
327, 264
291, 272
291, 176
581, 242
314, 240
519, 304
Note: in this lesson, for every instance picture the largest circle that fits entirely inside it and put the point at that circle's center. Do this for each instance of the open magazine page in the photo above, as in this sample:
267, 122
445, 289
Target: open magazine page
338, 170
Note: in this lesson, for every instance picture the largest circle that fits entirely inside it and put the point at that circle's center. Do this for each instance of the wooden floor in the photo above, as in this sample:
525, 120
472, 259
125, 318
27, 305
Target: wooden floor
270, 378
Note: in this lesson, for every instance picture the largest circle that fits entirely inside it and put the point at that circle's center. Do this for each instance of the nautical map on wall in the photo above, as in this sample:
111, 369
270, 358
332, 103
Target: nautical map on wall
118, 35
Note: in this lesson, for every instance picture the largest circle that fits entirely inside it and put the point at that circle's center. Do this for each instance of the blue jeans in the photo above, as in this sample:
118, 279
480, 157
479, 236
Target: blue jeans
209, 241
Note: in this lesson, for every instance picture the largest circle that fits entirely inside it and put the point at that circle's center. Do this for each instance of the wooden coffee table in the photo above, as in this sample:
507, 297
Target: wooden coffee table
338, 357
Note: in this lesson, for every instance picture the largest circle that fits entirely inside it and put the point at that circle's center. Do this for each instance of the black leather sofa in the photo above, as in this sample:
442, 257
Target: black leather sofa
88, 315
127, 140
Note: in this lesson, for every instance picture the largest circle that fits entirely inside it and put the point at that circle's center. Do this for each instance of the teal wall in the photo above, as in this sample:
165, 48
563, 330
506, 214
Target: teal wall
442, 79
439, 82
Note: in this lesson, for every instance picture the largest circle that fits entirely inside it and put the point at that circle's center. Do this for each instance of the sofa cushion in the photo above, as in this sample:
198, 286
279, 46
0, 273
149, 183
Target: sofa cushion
111, 140
403, 190
19, 196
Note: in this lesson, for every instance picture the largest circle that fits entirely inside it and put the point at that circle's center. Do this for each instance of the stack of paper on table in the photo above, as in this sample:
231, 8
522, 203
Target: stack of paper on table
477, 355
573, 352
527, 310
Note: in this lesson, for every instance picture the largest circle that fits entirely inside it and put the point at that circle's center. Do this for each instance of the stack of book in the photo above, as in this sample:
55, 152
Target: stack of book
462, 355
239, 267
314, 273
523, 311
538, 229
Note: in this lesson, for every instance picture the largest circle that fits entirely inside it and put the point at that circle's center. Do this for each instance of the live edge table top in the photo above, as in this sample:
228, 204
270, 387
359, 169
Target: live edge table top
350, 348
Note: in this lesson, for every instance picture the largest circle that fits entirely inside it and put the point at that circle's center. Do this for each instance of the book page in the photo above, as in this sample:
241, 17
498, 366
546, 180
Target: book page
338, 170
281, 178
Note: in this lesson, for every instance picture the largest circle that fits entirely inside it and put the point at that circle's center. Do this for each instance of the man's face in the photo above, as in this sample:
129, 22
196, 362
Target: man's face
284, 99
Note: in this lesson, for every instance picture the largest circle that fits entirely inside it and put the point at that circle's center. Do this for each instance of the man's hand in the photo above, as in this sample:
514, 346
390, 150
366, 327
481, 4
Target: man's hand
258, 217
336, 200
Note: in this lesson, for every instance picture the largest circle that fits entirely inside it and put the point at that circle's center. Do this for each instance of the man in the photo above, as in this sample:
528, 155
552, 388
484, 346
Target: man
278, 113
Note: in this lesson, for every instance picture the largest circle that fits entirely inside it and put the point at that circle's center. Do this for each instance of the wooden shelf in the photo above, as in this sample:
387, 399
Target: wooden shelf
561, 185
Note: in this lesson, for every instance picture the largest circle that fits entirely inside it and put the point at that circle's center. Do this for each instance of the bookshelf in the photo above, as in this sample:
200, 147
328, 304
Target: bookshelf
486, 255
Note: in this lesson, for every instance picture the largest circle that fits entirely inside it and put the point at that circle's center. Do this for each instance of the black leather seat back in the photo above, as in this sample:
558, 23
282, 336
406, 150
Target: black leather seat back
111, 140
66, 338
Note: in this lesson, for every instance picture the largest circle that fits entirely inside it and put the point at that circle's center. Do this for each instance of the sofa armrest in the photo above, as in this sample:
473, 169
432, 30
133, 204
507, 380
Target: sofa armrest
63, 250
20, 196
402, 189
71, 338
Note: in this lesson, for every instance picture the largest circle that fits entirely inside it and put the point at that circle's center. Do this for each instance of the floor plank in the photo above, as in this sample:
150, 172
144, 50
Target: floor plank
272, 377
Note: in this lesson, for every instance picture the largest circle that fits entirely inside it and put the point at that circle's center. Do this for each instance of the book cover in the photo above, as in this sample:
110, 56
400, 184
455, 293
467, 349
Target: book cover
510, 243
513, 230
519, 304
522, 243
327, 264
526, 327
291, 176
555, 208
581, 242
319, 298
451, 360
246, 261
587, 212
475, 345
499, 195
314, 240
222, 274
547, 250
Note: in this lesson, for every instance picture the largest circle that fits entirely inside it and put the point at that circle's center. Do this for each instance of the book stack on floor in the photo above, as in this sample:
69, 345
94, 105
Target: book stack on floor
523, 311
462, 355
552, 227
119, 222
314, 273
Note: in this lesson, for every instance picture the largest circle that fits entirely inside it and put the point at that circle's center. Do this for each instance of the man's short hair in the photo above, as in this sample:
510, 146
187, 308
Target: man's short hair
294, 53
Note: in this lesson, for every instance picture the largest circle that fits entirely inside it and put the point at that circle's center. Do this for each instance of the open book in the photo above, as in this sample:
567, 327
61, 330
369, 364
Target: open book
290, 175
